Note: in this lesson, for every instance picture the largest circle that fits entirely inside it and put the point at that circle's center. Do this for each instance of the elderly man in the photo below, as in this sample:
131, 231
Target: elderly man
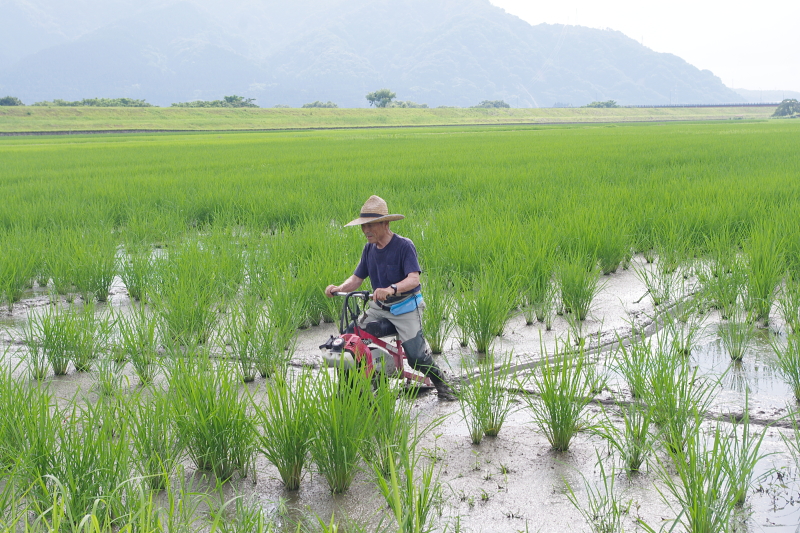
390, 262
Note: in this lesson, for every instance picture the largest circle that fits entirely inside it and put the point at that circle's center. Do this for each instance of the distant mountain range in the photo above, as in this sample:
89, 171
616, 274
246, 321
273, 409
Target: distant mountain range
438, 52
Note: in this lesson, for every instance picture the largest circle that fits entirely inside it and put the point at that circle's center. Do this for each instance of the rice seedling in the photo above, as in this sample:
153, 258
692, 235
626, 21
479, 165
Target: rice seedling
285, 424
411, 491
51, 330
764, 270
93, 262
156, 445
211, 419
789, 304
342, 419
723, 276
36, 357
484, 398
613, 244
677, 396
137, 270
536, 281
488, 307
241, 515
564, 391
277, 337
109, 379
787, 358
683, 324
189, 294
394, 421
736, 333
701, 485
241, 331
660, 281
579, 283
744, 452
90, 335
634, 442
89, 465
603, 511
439, 302
633, 362
17, 265
139, 342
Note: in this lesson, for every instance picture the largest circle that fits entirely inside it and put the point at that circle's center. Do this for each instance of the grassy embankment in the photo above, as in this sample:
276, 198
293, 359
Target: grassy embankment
57, 119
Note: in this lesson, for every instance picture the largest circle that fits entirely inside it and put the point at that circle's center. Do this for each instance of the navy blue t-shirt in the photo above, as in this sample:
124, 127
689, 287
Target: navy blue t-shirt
391, 264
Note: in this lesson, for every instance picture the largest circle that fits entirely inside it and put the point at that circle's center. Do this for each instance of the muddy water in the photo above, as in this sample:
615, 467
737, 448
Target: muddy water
515, 482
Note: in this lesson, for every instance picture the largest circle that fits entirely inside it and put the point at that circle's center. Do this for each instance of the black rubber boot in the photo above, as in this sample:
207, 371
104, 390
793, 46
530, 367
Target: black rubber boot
420, 359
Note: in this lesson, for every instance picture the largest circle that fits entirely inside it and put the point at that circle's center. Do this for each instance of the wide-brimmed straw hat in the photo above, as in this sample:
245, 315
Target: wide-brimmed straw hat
374, 210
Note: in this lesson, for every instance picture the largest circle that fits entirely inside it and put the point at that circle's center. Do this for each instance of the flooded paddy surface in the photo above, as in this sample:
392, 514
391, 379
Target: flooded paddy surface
515, 481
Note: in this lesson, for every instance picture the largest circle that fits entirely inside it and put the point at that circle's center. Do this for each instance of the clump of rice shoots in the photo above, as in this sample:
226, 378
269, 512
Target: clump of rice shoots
211, 419
285, 422
439, 303
787, 357
564, 390
488, 307
764, 270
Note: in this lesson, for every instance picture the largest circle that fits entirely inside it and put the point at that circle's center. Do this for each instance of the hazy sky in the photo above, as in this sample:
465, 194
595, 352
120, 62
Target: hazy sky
748, 44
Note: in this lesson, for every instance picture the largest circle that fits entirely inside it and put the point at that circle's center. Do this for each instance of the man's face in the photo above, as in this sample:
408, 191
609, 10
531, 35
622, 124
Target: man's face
375, 231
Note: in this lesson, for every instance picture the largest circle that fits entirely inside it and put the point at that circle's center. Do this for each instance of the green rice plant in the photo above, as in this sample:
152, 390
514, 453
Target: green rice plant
564, 391
462, 311
285, 422
210, 417
634, 441
633, 362
684, 325
787, 359
17, 265
241, 332
394, 421
53, 329
613, 244
677, 396
700, 484
223, 246
439, 303
188, 297
723, 276
485, 400
764, 270
603, 510
736, 333
789, 303
36, 357
242, 515
286, 309
660, 281
139, 341
109, 380
93, 259
156, 445
488, 307
342, 419
579, 283
89, 466
90, 335
744, 452
536, 272
137, 270
412, 491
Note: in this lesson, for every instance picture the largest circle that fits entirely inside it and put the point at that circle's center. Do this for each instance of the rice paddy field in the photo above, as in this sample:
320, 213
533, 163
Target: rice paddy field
618, 306
33, 119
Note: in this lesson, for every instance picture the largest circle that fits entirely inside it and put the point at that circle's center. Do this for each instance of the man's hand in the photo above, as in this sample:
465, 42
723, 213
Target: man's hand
330, 289
381, 294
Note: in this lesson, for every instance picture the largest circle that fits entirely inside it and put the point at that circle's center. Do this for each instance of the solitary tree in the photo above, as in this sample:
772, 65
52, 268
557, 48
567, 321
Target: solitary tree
381, 98
788, 107
492, 104
607, 103
10, 100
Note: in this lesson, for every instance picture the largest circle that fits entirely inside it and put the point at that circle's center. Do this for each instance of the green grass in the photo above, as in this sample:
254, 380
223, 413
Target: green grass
87, 119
